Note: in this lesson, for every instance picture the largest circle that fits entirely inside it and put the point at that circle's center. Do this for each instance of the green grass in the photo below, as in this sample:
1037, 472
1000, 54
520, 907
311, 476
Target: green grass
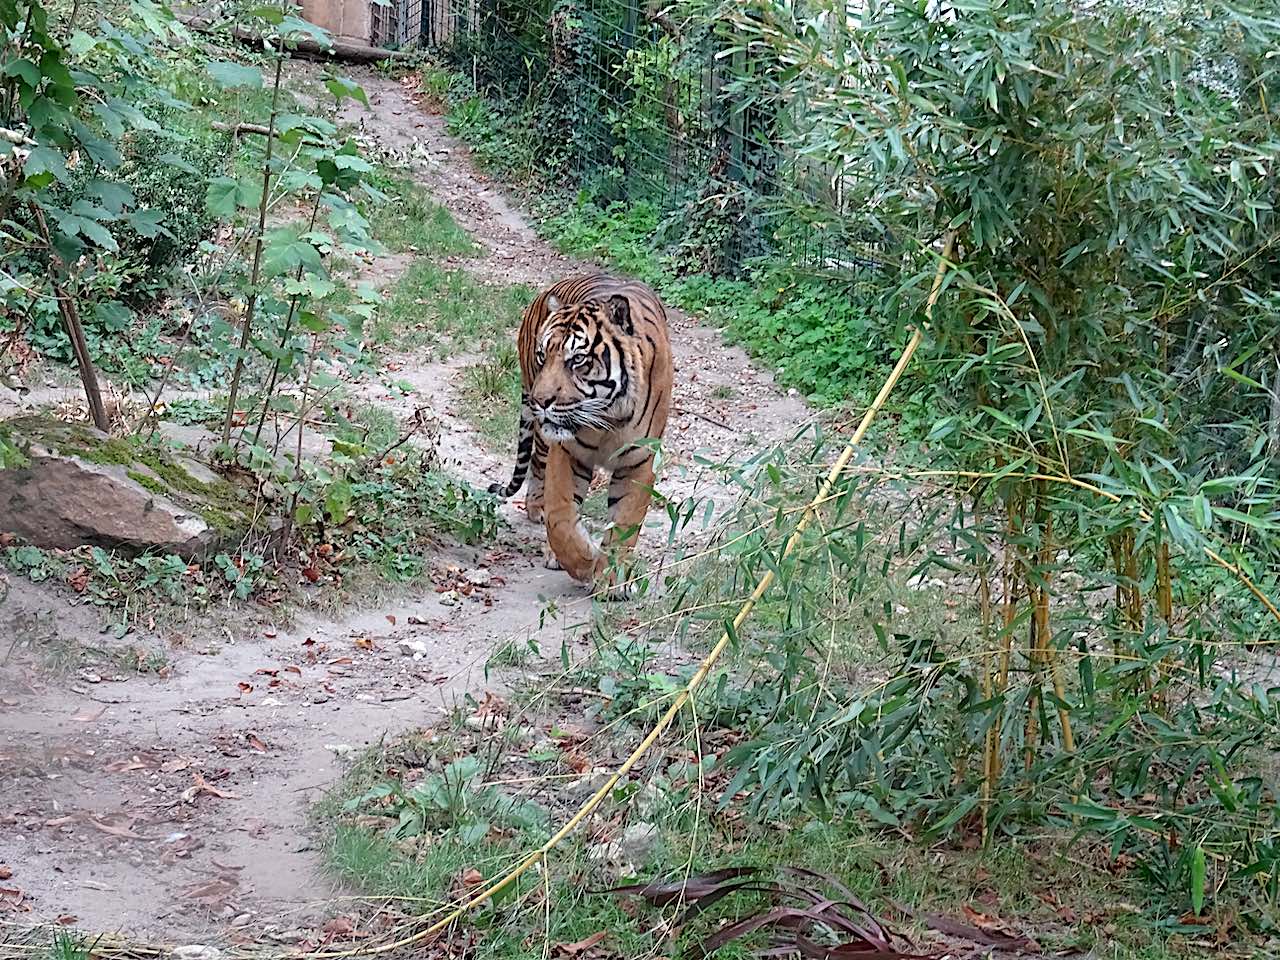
366, 425
491, 391
409, 221
447, 311
1064, 902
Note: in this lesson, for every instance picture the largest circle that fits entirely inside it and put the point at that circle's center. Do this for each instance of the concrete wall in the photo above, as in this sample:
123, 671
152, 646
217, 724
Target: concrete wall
345, 19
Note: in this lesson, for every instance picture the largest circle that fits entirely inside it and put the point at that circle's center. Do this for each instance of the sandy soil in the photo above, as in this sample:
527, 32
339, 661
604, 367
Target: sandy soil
175, 806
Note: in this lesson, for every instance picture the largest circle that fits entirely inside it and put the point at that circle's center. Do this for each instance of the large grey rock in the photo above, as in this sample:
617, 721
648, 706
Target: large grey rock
79, 486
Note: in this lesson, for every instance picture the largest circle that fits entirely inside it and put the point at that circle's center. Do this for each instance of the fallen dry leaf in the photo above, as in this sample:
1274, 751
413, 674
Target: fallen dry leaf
111, 829
292, 669
364, 643
202, 785
256, 742
213, 892
124, 766
5, 872
245, 687
472, 877
573, 949
391, 619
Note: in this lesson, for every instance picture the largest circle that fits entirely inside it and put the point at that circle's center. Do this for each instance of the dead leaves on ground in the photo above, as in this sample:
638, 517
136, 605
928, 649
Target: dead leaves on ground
811, 915
204, 787
583, 949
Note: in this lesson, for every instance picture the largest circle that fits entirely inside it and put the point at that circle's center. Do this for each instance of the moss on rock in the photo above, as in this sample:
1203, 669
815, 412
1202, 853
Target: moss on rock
224, 506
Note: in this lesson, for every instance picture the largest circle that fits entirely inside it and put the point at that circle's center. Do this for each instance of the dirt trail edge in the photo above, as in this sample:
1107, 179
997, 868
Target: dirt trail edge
176, 806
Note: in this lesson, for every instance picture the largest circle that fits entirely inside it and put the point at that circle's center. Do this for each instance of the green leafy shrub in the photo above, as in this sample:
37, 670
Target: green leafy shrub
167, 170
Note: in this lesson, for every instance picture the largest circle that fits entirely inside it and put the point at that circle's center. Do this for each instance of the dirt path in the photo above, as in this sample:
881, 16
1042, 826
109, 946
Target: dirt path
176, 806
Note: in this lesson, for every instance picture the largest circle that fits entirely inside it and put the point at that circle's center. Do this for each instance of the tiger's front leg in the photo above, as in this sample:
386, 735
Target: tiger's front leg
630, 491
566, 539
534, 496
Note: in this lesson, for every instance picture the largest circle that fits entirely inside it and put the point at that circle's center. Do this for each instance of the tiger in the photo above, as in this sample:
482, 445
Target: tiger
596, 374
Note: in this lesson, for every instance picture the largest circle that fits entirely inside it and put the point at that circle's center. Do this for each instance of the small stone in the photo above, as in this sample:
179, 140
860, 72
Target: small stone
197, 951
609, 852
450, 598
340, 749
320, 698
637, 842
410, 648
243, 920
479, 577
591, 781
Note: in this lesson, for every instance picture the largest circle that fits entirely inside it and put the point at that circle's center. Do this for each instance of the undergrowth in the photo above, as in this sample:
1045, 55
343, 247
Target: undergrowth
446, 310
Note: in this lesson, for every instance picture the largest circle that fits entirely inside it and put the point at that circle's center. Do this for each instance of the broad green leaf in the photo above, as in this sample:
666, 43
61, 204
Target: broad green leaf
1196, 879
229, 75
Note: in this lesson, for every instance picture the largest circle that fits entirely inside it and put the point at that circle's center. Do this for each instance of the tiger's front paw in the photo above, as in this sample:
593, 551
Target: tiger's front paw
549, 560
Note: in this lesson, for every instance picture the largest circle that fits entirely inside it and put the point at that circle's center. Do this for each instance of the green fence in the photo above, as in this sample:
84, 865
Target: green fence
654, 103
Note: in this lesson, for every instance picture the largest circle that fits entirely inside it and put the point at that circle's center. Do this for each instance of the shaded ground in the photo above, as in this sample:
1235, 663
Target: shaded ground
173, 802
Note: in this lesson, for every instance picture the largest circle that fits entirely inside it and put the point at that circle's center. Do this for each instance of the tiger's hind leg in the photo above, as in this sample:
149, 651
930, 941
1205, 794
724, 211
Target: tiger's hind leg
567, 541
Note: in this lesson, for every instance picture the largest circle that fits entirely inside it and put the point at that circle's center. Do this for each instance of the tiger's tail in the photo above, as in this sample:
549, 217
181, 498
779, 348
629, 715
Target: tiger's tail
524, 452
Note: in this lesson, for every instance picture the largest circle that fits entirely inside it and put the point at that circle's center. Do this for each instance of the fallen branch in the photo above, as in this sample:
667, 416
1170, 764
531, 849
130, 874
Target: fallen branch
336, 50
239, 130
681, 411
16, 137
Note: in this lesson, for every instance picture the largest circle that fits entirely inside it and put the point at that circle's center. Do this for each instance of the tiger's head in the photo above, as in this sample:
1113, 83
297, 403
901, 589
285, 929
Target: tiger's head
583, 380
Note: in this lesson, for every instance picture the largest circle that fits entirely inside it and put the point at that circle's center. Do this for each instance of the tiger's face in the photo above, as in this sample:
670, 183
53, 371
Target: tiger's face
582, 381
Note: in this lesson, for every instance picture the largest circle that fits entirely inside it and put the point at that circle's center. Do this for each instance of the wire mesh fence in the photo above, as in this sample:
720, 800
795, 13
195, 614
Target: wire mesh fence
648, 103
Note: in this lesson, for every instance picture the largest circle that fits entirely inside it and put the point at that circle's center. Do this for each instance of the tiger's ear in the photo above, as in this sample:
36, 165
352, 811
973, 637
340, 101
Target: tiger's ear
553, 304
619, 310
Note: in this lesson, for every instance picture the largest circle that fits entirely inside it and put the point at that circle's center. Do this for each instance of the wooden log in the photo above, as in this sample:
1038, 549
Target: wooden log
341, 50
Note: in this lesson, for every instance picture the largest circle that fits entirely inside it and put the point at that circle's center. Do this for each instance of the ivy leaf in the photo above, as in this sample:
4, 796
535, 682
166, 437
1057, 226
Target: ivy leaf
271, 15
81, 43
295, 28
148, 223
343, 88
100, 150
337, 501
24, 69
229, 75
345, 161
173, 160
113, 196
220, 197
226, 194
45, 161
94, 231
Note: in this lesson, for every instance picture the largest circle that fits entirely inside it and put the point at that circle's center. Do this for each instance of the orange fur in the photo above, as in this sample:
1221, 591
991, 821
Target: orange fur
596, 371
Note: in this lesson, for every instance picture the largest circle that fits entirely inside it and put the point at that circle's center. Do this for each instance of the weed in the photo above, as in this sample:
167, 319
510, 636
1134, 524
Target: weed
446, 310
367, 426
68, 945
491, 391
513, 653
405, 219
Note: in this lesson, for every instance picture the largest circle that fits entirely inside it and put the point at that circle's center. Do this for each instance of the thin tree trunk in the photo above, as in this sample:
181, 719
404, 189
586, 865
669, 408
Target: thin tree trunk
75, 330
246, 331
